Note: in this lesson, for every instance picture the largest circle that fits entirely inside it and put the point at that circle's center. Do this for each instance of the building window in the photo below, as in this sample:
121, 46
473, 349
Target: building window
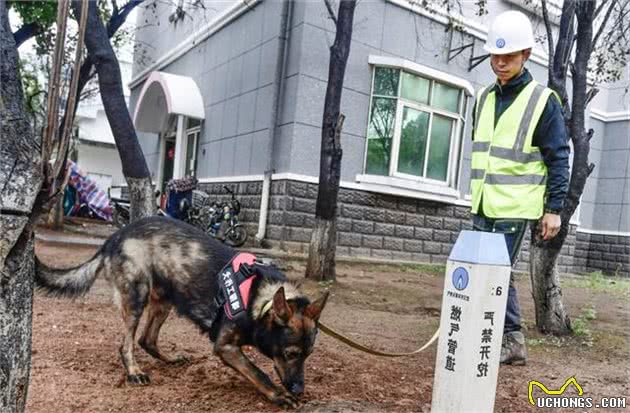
415, 127
193, 133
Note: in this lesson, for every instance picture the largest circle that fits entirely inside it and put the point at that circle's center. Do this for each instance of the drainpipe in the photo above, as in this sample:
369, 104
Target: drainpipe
281, 62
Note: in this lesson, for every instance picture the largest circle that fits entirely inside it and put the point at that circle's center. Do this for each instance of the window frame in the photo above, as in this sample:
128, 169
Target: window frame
195, 133
456, 142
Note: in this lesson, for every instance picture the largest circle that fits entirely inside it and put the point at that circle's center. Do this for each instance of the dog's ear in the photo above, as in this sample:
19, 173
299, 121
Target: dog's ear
281, 310
314, 310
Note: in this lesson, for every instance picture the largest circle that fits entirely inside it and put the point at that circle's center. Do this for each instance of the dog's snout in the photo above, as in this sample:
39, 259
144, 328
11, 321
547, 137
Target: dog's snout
297, 388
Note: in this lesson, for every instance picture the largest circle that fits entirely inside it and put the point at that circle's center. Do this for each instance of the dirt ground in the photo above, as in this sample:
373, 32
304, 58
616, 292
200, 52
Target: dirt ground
76, 366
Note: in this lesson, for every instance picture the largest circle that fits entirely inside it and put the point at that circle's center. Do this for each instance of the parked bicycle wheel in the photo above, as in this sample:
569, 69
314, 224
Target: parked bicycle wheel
236, 236
120, 218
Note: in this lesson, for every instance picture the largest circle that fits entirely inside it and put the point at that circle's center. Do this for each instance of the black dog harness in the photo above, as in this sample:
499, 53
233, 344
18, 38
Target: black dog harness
235, 282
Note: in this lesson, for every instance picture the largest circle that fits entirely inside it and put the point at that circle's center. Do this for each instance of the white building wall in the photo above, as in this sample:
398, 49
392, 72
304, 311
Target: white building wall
96, 149
100, 161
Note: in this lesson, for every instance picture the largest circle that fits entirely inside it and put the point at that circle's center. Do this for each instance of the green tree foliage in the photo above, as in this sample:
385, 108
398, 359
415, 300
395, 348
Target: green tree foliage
42, 15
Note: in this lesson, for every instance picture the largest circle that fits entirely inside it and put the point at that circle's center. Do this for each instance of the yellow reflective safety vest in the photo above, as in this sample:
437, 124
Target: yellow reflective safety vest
508, 173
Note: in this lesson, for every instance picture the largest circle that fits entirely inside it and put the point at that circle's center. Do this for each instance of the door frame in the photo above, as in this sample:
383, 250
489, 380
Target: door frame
180, 134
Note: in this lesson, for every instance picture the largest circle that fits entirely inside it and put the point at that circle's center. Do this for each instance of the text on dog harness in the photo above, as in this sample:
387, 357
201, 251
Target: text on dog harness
235, 281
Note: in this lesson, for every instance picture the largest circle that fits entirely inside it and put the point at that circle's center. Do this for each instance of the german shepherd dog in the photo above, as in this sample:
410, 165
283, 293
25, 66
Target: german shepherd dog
157, 263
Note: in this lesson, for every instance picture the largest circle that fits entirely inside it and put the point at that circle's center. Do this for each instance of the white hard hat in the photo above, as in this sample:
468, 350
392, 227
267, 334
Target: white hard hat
510, 32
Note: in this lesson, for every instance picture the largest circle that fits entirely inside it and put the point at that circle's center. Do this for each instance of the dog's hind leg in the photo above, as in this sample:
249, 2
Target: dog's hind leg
132, 305
158, 312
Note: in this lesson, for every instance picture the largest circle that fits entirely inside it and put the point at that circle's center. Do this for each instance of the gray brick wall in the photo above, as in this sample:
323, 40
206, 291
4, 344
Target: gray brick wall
608, 253
390, 227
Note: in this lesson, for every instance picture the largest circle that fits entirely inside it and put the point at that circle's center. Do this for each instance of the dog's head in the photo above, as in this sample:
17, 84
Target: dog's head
290, 329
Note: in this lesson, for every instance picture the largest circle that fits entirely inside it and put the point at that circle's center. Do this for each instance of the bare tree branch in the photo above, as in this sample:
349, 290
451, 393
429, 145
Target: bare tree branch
550, 42
25, 32
559, 64
599, 8
621, 22
72, 100
117, 20
331, 11
54, 84
604, 22
573, 41
590, 95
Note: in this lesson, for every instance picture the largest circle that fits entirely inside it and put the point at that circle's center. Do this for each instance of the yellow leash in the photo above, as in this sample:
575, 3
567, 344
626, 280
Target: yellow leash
365, 349
356, 345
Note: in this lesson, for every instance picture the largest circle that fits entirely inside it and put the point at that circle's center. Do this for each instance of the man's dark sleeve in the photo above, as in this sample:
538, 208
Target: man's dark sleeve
551, 137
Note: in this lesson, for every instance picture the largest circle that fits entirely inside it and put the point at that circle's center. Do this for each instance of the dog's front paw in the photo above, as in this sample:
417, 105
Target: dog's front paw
140, 378
285, 400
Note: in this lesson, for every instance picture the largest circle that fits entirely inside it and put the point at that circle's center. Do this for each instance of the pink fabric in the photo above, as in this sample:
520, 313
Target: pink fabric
243, 257
90, 194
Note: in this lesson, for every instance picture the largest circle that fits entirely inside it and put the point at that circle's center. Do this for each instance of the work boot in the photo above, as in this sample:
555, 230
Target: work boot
513, 349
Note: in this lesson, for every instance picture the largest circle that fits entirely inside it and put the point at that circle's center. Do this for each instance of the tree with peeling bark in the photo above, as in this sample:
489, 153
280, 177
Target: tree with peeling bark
321, 255
20, 180
599, 33
24, 180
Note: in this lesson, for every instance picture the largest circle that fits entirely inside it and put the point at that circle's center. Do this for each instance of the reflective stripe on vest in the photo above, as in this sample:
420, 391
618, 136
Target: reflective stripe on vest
508, 174
502, 179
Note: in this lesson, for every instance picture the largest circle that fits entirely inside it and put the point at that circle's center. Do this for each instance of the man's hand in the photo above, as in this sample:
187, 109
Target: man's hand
550, 226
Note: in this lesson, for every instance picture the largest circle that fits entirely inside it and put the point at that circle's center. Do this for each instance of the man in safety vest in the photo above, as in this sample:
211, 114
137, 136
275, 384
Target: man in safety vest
520, 157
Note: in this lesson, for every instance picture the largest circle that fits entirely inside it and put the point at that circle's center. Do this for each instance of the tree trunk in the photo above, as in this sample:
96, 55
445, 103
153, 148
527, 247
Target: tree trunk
16, 313
321, 252
55, 216
323, 246
550, 314
321, 260
20, 182
135, 168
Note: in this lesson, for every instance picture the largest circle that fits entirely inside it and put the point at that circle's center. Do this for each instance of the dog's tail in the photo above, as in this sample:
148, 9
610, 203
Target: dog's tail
70, 282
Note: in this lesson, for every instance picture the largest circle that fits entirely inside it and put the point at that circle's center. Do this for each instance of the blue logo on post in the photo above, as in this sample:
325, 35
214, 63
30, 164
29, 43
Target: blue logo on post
500, 42
460, 278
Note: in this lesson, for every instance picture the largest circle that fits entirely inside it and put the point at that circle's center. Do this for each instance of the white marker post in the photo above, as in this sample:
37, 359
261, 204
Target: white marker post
471, 324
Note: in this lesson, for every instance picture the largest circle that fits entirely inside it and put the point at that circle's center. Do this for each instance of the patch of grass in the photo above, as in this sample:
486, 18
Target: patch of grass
433, 269
582, 326
596, 281
589, 313
547, 341
536, 342
582, 333
430, 269
326, 284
